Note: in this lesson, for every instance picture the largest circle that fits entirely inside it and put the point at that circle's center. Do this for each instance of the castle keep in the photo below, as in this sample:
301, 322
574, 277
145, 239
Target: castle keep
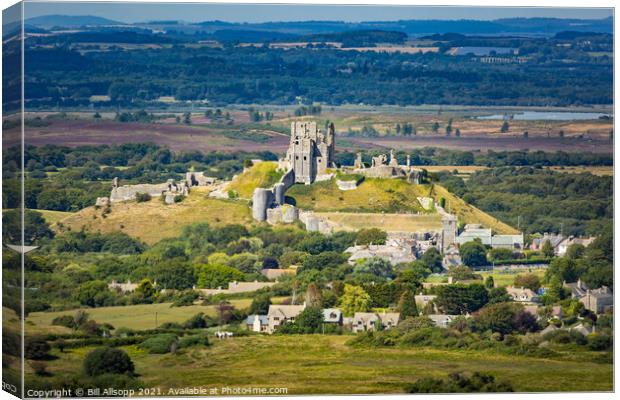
311, 151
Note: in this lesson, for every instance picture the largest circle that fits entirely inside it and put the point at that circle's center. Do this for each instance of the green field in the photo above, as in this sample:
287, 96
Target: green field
501, 278
139, 316
388, 222
372, 195
263, 175
315, 364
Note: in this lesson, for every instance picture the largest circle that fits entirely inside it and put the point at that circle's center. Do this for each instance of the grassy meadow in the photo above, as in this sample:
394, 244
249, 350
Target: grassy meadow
372, 195
152, 221
263, 175
317, 364
138, 316
389, 222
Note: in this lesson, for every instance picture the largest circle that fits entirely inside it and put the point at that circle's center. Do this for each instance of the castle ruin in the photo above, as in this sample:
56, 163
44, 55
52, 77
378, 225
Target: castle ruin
310, 152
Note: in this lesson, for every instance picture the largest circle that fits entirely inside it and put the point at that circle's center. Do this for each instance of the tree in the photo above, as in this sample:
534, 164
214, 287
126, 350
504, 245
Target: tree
489, 283
224, 310
449, 127
310, 320
462, 273
187, 118
145, 292
498, 295
505, 127
435, 127
473, 253
432, 260
575, 251
457, 133
108, 360
92, 293
214, 276
407, 306
415, 273
260, 304
375, 266
314, 297
505, 318
461, 299
530, 281
174, 274
547, 249
354, 299
370, 236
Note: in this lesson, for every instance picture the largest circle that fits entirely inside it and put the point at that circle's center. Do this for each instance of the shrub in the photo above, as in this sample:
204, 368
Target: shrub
143, 197
107, 360
198, 321
193, 340
159, 344
460, 383
39, 368
36, 348
64, 320
185, 299
599, 342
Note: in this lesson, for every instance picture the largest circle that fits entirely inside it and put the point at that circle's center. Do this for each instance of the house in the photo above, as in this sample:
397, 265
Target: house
476, 231
565, 244
598, 300
577, 289
442, 320
278, 314
522, 295
276, 273
365, 321
422, 300
554, 240
549, 328
395, 251
123, 287
257, 323
332, 316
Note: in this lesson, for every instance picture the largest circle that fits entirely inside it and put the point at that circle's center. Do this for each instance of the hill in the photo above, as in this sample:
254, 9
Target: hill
152, 221
372, 195
70, 20
263, 175
469, 214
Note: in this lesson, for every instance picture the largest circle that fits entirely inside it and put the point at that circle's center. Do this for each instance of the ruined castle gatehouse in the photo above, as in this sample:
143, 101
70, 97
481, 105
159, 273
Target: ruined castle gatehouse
311, 151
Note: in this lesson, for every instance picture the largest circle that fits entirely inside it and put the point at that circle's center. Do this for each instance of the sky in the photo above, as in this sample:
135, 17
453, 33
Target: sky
134, 12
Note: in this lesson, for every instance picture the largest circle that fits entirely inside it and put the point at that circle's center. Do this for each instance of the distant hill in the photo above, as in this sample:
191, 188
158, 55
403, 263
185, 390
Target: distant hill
70, 20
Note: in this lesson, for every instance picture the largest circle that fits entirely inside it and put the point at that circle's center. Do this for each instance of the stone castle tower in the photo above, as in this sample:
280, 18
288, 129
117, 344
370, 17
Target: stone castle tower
311, 151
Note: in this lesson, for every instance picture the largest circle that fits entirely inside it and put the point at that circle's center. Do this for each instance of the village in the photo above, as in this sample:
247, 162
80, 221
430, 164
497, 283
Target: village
309, 159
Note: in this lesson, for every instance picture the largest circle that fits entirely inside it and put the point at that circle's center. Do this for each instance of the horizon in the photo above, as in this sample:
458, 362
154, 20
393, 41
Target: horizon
132, 13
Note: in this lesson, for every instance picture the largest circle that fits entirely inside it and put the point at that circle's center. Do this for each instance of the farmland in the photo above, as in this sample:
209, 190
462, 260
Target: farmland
80, 128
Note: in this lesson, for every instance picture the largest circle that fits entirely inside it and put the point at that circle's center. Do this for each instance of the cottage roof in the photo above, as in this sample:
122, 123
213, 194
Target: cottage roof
441, 319
389, 318
520, 292
365, 316
285, 311
332, 315
264, 319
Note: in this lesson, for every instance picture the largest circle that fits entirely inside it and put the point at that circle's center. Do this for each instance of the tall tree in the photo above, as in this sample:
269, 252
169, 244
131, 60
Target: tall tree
407, 306
354, 299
